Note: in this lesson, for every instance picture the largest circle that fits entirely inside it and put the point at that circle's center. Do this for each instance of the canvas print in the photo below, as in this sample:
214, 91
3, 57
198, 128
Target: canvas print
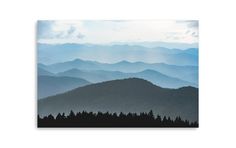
117, 73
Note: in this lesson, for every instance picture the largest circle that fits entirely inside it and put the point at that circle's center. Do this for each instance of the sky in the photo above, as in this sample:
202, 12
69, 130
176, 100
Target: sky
108, 31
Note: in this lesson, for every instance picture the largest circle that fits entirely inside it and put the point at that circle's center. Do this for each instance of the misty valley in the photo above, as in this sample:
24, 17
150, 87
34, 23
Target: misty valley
105, 73
98, 89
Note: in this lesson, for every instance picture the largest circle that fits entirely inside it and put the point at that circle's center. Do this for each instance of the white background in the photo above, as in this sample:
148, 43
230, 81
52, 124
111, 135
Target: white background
217, 31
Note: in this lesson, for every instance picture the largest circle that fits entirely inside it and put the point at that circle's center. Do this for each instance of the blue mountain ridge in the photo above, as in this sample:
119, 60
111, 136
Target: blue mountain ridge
186, 73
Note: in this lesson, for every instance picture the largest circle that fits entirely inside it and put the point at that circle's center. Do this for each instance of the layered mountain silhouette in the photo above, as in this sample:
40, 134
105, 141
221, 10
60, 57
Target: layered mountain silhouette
43, 72
54, 53
51, 85
170, 45
186, 73
155, 77
94, 76
126, 95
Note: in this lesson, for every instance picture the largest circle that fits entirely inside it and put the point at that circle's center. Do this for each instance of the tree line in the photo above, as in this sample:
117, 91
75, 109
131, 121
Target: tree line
90, 119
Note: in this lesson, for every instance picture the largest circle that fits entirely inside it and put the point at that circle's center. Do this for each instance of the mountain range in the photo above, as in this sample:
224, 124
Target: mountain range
55, 53
170, 45
186, 73
51, 85
43, 72
155, 77
126, 95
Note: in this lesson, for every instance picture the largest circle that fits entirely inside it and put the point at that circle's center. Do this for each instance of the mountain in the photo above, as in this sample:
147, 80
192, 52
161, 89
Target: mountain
170, 45
193, 51
51, 85
182, 59
94, 76
55, 53
76, 63
161, 79
42, 72
187, 73
155, 77
127, 95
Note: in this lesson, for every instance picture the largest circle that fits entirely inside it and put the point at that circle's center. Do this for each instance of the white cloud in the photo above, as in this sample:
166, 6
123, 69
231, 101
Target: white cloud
117, 31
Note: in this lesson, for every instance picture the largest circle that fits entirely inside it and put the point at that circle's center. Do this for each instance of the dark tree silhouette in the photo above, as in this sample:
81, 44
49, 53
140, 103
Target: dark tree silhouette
90, 119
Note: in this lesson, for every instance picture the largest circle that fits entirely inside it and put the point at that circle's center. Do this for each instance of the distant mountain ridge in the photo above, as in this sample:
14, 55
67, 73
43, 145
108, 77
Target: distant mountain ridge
43, 72
155, 77
153, 44
186, 73
127, 95
52, 85
54, 53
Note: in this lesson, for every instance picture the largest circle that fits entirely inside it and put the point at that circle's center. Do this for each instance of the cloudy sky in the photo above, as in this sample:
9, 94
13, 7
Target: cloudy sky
102, 32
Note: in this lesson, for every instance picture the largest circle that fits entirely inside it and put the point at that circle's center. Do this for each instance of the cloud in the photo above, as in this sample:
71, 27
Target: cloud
106, 31
189, 23
44, 29
193, 24
187, 32
48, 30
71, 30
192, 27
195, 34
80, 36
